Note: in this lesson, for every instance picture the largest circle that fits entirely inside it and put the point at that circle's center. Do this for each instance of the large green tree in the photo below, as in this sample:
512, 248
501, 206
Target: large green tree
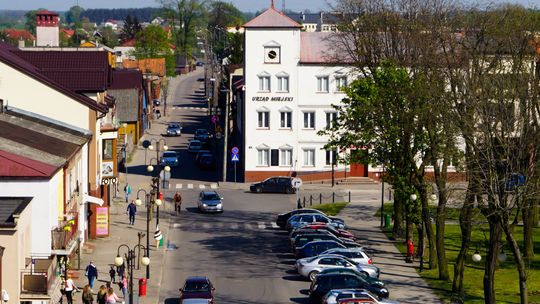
184, 16
73, 16
152, 42
131, 28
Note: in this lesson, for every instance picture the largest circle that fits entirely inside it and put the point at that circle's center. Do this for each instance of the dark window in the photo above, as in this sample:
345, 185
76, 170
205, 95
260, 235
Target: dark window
107, 149
274, 157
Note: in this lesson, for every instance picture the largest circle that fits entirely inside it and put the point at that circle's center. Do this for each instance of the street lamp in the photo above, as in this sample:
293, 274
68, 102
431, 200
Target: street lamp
476, 257
138, 202
151, 168
118, 261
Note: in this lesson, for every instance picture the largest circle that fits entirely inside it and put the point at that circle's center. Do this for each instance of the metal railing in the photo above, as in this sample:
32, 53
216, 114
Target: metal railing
330, 198
61, 236
35, 282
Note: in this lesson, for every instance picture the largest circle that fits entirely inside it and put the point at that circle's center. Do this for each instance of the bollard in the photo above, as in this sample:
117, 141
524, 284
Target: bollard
333, 197
304, 201
310, 200
349, 196
320, 198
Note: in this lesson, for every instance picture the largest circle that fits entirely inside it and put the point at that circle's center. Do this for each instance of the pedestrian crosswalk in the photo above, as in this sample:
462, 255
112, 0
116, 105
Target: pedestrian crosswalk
225, 226
191, 108
196, 186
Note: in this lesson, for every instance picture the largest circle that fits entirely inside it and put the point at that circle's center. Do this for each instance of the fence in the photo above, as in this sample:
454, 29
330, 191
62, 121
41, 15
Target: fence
309, 200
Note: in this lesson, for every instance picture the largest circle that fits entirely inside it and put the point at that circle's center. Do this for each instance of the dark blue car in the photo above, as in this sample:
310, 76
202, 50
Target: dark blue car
315, 248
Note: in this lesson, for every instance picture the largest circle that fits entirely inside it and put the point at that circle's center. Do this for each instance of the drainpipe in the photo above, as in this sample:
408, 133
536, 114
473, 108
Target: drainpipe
1, 256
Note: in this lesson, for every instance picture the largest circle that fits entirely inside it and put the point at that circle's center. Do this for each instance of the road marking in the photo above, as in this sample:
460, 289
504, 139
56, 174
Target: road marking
262, 225
214, 186
219, 225
179, 186
234, 226
177, 226
190, 186
206, 226
202, 186
247, 226
275, 226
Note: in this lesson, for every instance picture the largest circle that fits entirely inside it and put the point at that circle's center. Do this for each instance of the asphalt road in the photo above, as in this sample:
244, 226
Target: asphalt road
246, 257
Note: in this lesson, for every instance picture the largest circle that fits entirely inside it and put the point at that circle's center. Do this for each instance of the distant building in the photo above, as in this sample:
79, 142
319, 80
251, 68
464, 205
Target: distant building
20, 35
47, 30
317, 22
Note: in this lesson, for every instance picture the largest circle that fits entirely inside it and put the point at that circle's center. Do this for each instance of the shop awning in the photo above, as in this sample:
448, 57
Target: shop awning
92, 199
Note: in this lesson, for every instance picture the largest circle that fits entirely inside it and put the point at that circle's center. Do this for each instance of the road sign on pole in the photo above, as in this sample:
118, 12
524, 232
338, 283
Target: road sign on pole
235, 158
214, 119
296, 183
235, 150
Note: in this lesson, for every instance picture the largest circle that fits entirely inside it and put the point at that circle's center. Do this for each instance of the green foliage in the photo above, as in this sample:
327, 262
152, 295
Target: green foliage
236, 44
152, 42
186, 15
30, 23
131, 28
109, 37
330, 209
223, 15
99, 15
74, 14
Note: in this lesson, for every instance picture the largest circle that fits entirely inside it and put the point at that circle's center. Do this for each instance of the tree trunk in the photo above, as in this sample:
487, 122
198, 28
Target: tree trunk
528, 223
428, 228
441, 250
465, 225
495, 233
398, 218
522, 271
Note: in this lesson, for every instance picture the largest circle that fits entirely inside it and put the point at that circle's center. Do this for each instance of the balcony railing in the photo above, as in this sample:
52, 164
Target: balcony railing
65, 233
40, 280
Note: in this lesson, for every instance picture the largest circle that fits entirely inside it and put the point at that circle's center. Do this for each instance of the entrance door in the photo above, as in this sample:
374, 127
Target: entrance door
358, 166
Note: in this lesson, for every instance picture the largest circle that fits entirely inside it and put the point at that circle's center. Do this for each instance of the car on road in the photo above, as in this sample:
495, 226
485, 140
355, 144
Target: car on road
194, 146
282, 218
315, 248
210, 201
174, 129
200, 153
169, 158
197, 287
356, 254
311, 267
302, 239
202, 135
339, 296
362, 274
303, 219
207, 161
322, 284
276, 184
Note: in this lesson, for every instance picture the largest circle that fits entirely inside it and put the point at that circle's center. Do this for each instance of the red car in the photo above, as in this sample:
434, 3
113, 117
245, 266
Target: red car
197, 288
340, 233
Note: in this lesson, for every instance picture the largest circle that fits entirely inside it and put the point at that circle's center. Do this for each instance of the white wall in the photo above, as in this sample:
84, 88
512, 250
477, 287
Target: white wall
47, 36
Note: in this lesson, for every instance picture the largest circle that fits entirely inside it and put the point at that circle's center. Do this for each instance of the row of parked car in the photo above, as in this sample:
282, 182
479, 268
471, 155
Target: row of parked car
327, 254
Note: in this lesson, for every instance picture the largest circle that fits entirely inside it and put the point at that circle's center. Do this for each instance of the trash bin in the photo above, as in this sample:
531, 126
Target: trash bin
161, 242
387, 220
142, 287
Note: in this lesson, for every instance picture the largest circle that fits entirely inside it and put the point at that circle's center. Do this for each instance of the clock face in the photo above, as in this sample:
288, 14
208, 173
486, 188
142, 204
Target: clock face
272, 55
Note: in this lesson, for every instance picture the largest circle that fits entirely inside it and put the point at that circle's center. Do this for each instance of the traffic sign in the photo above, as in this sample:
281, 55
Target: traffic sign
214, 119
218, 135
296, 183
235, 158
235, 150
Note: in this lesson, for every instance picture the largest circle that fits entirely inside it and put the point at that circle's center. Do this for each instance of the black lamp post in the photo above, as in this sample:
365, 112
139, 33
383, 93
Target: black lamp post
131, 256
159, 144
138, 202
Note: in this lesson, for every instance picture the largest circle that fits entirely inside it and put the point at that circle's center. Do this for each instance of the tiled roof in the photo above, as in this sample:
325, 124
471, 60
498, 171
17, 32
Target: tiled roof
18, 34
10, 207
8, 57
78, 71
46, 12
317, 48
17, 166
304, 18
130, 42
272, 18
68, 32
126, 79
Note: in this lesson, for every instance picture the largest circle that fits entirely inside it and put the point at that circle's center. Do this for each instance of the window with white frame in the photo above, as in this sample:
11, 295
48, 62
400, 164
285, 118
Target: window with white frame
286, 120
285, 158
341, 82
331, 157
322, 84
309, 120
282, 82
309, 157
331, 118
263, 119
264, 82
263, 156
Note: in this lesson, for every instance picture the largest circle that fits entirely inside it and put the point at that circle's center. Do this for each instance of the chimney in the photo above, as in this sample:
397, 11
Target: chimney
303, 16
21, 43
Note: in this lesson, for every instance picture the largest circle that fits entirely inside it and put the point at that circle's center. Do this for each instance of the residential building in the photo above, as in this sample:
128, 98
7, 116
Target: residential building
316, 22
47, 30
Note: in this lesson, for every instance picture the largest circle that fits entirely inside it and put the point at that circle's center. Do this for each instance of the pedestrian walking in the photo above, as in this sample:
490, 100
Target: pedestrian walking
69, 287
112, 273
120, 271
131, 211
102, 295
127, 191
177, 202
91, 274
111, 296
87, 296
123, 285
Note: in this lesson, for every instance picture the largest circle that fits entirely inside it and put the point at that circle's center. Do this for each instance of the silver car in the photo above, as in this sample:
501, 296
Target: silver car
356, 254
196, 301
310, 267
210, 201
334, 295
174, 129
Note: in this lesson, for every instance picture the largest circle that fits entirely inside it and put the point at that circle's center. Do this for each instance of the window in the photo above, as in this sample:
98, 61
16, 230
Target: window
309, 120
331, 118
341, 82
272, 53
274, 157
262, 156
107, 149
264, 119
283, 83
331, 157
309, 157
286, 120
264, 83
322, 84
285, 157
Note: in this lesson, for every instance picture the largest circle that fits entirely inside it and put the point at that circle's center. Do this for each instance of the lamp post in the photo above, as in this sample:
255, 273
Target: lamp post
118, 261
159, 144
138, 202
226, 135
124, 150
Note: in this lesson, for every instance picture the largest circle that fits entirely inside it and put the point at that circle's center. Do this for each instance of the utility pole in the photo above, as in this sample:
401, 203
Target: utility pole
226, 135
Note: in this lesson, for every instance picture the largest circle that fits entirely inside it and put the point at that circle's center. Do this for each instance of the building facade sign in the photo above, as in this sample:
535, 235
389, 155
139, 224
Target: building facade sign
102, 221
272, 98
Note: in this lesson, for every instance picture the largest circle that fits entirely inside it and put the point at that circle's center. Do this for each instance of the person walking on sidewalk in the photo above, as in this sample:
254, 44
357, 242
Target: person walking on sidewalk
112, 273
131, 211
127, 191
120, 271
92, 274
102, 295
177, 202
87, 296
111, 296
69, 288
123, 285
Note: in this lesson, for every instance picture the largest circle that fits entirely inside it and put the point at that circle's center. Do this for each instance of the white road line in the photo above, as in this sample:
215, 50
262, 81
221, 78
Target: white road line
202, 186
274, 225
247, 225
190, 186
262, 225
179, 186
206, 225
234, 226
177, 226
213, 186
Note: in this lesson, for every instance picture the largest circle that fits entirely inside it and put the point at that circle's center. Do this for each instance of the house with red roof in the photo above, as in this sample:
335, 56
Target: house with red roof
20, 35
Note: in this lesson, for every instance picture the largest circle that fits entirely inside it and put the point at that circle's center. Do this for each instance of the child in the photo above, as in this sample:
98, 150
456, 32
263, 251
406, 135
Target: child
112, 273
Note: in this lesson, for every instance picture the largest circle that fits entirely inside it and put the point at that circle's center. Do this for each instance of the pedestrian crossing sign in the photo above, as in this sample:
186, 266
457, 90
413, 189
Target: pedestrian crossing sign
235, 158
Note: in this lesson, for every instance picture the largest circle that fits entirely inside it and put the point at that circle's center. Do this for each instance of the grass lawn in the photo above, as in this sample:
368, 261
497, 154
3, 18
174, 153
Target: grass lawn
330, 208
452, 214
506, 277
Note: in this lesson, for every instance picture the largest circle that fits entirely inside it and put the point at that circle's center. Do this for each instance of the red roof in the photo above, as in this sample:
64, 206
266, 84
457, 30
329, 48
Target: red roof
12, 165
68, 32
130, 42
18, 34
318, 48
272, 18
46, 12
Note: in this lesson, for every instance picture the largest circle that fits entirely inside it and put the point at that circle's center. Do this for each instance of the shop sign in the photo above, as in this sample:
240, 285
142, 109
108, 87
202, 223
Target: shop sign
102, 221
275, 98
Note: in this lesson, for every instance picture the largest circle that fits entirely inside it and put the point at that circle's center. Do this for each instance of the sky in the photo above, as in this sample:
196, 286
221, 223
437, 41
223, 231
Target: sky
243, 5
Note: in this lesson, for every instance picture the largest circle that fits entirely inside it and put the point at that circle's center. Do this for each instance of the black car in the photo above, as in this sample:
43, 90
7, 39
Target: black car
326, 282
202, 134
282, 219
206, 161
315, 248
279, 184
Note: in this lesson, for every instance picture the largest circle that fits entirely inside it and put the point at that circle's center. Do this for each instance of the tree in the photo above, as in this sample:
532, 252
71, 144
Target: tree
152, 42
108, 37
131, 28
223, 15
30, 23
74, 14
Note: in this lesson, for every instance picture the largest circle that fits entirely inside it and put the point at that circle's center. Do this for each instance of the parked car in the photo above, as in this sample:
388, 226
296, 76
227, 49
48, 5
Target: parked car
362, 274
322, 284
200, 153
357, 301
282, 218
169, 158
338, 296
311, 267
197, 301
302, 239
194, 146
202, 135
174, 129
356, 254
315, 248
210, 201
341, 233
197, 288
279, 184
302, 219
207, 161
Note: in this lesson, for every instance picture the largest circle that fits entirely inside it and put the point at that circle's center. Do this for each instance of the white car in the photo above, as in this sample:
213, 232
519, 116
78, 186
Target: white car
334, 295
310, 267
194, 146
356, 254
196, 301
